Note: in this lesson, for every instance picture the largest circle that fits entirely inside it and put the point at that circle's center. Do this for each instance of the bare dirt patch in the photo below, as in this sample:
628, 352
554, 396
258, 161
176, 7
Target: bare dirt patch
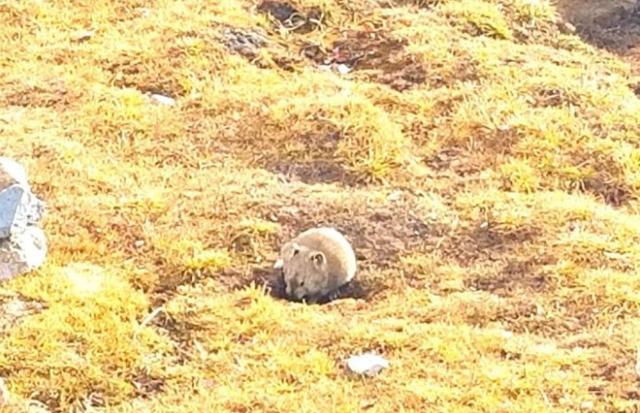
251, 43
378, 234
376, 54
271, 280
611, 24
51, 94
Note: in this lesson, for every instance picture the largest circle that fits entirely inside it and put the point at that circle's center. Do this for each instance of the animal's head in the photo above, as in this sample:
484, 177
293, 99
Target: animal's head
304, 271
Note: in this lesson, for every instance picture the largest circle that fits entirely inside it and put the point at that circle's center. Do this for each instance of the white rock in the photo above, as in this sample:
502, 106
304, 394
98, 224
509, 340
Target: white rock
368, 364
19, 208
162, 99
144, 12
12, 170
22, 252
83, 35
23, 245
5, 397
343, 69
10, 203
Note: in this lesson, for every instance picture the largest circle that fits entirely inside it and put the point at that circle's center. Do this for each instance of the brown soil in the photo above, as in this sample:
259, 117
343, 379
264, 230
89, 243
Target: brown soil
610, 24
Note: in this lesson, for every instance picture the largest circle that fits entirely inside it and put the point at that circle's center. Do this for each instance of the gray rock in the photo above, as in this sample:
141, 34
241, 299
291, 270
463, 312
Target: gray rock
162, 99
368, 364
245, 42
23, 245
22, 252
10, 202
19, 208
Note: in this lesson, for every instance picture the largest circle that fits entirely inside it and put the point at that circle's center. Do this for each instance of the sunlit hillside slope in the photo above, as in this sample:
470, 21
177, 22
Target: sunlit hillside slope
483, 160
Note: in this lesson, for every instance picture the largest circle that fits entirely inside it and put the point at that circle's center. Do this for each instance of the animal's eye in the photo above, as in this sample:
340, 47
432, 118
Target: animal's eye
301, 283
295, 252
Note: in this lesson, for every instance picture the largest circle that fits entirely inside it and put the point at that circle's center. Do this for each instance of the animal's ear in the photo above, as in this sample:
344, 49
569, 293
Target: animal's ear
318, 258
296, 249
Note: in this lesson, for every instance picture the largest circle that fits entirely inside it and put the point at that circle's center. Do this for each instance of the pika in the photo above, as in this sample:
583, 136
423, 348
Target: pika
315, 264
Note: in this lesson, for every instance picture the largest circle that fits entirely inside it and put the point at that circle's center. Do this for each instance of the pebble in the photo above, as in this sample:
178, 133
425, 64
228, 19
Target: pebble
367, 364
5, 398
162, 99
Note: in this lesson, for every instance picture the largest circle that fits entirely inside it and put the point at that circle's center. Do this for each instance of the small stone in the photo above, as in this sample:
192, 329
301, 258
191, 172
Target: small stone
5, 397
394, 196
144, 12
245, 42
83, 35
138, 243
367, 364
343, 69
162, 99
452, 285
586, 405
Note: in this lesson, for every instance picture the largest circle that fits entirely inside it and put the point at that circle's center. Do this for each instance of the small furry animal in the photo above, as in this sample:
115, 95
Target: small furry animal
315, 264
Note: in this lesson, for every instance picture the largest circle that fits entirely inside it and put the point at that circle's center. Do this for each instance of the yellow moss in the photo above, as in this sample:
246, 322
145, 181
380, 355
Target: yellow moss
192, 254
371, 144
87, 338
260, 226
485, 17
209, 259
520, 176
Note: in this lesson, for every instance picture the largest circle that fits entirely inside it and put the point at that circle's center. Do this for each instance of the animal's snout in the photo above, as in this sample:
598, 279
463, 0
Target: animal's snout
295, 294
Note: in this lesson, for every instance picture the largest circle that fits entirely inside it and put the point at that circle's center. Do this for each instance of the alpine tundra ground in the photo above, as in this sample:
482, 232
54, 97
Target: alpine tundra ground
483, 158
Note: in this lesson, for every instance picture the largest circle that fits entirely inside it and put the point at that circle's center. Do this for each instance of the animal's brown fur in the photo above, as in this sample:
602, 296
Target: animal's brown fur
316, 263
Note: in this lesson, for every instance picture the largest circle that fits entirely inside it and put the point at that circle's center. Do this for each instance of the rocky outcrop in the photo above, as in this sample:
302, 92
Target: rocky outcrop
23, 244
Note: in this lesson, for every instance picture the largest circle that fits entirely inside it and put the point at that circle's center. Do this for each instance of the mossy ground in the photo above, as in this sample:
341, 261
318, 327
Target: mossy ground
484, 163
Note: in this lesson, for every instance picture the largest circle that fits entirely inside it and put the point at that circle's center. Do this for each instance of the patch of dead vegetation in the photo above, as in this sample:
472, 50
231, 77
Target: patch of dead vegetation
51, 94
374, 54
